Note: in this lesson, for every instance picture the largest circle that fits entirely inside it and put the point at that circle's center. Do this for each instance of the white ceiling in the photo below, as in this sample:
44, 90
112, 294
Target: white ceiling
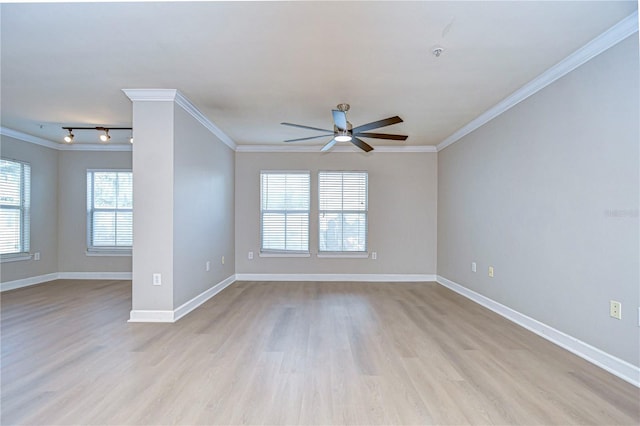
249, 66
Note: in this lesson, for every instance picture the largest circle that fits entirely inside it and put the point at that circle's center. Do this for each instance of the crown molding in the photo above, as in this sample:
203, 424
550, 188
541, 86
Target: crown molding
5, 131
151, 95
315, 149
195, 113
604, 41
174, 95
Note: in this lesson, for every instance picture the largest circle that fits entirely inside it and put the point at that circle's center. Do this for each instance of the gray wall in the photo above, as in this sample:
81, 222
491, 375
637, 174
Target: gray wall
58, 210
547, 193
402, 212
184, 207
72, 218
203, 210
153, 205
44, 209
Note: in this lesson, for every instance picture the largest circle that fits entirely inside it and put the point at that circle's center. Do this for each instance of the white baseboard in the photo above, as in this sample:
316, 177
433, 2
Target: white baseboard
95, 275
338, 277
182, 310
616, 366
39, 279
26, 282
151, 316
192, 304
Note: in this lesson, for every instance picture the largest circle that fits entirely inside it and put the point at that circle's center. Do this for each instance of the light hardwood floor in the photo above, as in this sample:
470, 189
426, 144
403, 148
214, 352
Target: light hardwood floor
291, 353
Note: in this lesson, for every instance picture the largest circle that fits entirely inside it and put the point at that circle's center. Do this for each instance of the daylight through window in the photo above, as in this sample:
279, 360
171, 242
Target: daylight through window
343, 211
284, 212
15, 188
109, 209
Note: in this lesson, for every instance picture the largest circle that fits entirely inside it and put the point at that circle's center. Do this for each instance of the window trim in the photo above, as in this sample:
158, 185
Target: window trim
345, 253
285, 253
25, 215
103, 250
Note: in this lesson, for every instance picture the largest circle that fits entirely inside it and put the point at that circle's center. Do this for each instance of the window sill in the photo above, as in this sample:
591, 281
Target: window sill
20, 257
268, 254
345, 255
113, 253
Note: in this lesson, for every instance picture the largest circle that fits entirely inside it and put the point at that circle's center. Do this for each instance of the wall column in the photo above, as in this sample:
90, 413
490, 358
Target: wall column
153, 192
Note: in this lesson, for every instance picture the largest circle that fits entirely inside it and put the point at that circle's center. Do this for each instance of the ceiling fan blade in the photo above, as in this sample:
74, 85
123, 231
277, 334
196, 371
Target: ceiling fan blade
340, 119
380, 123
310, 137
329, 145
361, 144
382, 136
307, 127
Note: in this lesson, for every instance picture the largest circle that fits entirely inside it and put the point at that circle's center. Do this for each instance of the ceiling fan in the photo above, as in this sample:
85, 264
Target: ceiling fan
343, 131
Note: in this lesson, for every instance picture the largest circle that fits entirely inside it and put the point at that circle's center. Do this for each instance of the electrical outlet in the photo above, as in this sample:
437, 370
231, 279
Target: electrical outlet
36, 255
374, 255
207, 266
615, 309
474, 267
157, 279
222, 260
491, 271
250, 255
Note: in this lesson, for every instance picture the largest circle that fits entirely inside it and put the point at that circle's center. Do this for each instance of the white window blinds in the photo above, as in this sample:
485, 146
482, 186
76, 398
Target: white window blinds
284, 211
343, 211
109, 209
15, 188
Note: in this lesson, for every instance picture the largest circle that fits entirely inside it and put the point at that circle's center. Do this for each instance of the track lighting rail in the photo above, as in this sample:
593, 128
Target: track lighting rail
103, 137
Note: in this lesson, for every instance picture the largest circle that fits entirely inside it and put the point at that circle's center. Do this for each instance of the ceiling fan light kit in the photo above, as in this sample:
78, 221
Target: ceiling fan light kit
343, 130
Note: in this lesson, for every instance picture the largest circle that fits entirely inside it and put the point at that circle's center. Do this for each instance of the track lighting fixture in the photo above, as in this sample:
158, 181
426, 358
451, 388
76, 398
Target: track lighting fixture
104, 137
69, 138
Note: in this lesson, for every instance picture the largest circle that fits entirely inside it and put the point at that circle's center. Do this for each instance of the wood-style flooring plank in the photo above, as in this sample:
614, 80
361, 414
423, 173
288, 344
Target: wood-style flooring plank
290, 353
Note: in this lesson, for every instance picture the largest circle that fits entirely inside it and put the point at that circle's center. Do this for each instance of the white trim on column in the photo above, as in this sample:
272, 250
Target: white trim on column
174, 95
610, 363
338, 277
151, 316
604, 41
192, 304
151, 95
137, 315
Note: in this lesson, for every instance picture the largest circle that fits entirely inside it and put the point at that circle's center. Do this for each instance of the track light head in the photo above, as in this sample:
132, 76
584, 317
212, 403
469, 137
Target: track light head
105, 137
69, 138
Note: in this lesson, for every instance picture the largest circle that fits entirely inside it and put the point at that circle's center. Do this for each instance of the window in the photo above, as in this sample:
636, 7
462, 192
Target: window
15, 188
109, 210
343, 211
284, 212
